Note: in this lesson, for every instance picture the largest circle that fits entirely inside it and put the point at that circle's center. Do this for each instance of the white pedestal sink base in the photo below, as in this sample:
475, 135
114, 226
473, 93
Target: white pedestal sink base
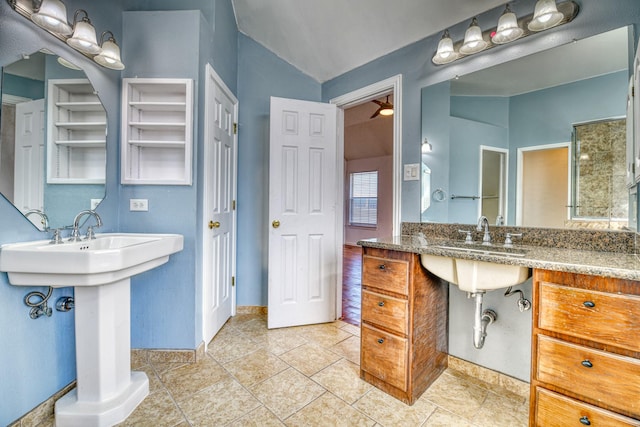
107, 391
70, 412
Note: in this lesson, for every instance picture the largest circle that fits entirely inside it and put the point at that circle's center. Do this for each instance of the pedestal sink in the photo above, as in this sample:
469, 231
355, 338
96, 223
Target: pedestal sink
99, 270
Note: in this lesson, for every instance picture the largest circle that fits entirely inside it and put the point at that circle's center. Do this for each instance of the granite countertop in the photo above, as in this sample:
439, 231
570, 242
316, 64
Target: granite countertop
597, 263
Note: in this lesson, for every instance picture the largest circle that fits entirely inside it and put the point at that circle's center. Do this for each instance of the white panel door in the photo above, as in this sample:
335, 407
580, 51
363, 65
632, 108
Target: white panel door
303, 192
219, 210
29, 161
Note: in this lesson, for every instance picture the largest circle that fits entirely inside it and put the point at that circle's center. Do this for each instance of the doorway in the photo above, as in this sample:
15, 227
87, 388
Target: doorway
386, 159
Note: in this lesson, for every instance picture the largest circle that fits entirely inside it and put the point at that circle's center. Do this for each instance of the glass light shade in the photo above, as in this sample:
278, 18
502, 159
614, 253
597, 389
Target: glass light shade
473, 41
52, 16
426, 147
545, 16
84, 38
68, 64
508, 29
386, 112
110, 56
445, 52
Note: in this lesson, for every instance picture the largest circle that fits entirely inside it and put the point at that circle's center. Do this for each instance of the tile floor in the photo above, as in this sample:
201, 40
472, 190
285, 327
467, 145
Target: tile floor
305, 376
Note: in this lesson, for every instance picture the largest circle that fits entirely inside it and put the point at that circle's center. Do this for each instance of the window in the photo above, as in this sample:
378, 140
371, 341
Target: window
363, 199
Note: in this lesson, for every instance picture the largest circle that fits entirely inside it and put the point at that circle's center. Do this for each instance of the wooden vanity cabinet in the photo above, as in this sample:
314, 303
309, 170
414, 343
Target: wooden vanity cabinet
404, 324
585, 367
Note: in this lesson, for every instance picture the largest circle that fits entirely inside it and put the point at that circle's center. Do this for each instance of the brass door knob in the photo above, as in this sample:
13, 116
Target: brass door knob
213, 225
275, 223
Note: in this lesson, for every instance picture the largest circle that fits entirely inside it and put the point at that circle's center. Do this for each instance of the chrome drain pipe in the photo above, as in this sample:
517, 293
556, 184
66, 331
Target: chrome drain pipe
482, 319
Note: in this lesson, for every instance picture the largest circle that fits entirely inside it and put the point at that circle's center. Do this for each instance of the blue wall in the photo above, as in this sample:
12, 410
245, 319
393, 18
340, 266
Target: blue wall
22, 86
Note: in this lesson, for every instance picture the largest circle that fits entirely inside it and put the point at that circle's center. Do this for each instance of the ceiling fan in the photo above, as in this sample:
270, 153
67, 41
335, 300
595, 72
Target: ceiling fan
385, 108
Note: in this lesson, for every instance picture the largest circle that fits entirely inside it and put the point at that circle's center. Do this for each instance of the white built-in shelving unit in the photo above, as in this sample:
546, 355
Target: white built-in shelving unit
76, 133
157, 117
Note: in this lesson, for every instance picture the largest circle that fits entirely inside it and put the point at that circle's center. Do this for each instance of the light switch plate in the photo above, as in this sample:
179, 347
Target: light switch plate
412, 172
139, 205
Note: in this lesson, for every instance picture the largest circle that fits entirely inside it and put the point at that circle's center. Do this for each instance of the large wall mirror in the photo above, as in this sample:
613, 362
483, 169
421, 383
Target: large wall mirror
52, 139
538, 141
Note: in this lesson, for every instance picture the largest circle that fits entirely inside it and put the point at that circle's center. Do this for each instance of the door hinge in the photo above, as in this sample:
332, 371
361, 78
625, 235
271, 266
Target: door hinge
233, 280
235, 128
233, 205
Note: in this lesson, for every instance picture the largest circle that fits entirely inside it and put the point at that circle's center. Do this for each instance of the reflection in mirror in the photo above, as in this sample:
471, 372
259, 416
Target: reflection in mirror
493, 183
52, 140
528, 108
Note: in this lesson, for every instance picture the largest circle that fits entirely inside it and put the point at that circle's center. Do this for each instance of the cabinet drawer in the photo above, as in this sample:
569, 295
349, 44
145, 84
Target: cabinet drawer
384, 356
597, 316
604, 377
388, 274
555, 410
388, 312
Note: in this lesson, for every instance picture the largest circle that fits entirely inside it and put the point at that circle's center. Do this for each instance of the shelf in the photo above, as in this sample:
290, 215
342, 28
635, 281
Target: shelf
81, 106
159, 106
83, 143
157, 144
81, 125
157, 126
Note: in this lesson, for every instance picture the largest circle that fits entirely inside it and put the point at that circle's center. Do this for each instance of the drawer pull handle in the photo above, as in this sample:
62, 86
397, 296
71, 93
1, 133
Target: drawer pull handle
381, 304
380, 340
585, 420
589, 304
587, 364
382, 267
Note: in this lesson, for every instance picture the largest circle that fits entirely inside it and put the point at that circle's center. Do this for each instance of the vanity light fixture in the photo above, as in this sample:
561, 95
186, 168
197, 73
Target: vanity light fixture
84, 35
52, 16
445, 52
67, 64
426, 147
508, 28
473, 40
545, 16
110, 55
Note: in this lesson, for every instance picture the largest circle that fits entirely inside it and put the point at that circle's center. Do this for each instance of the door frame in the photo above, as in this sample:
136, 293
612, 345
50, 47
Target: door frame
351, 99
519, 174
504, 179
206, 253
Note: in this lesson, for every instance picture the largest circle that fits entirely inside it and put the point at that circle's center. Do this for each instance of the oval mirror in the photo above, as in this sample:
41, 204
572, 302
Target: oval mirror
52, 140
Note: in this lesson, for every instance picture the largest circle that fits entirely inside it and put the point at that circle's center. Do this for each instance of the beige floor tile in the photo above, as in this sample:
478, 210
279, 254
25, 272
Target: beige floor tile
260, 417
184, 381
252, 325
154, 382
309, 358
157, 410
352, 329
343, 379
456, 395
255, 367
499, 410
328, 410
162, 367
277, 341
227, 348
442, 418
219, 404
390, 412
325, 334
287, 392
349, 349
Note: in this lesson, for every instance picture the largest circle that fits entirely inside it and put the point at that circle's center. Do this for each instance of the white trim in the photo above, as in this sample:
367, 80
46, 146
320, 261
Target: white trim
351, 99
519, 165
13, 99
504, 176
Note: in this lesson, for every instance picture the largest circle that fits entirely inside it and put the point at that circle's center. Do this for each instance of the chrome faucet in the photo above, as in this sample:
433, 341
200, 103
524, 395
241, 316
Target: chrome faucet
75, 233
484, 222
44, 219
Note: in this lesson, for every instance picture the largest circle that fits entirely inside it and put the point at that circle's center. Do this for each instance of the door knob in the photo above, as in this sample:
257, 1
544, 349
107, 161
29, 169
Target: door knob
275, 223
213, 225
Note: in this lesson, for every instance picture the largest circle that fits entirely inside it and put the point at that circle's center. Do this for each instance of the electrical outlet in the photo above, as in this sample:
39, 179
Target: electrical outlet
139, 205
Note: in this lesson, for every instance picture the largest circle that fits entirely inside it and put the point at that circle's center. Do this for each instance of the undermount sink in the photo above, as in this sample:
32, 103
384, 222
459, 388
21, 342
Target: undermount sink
107, 258
100, 270
473, 275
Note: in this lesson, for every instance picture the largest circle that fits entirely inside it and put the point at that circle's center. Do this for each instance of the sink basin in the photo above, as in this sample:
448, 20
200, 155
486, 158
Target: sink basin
473, 275
108, 258
100, 270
